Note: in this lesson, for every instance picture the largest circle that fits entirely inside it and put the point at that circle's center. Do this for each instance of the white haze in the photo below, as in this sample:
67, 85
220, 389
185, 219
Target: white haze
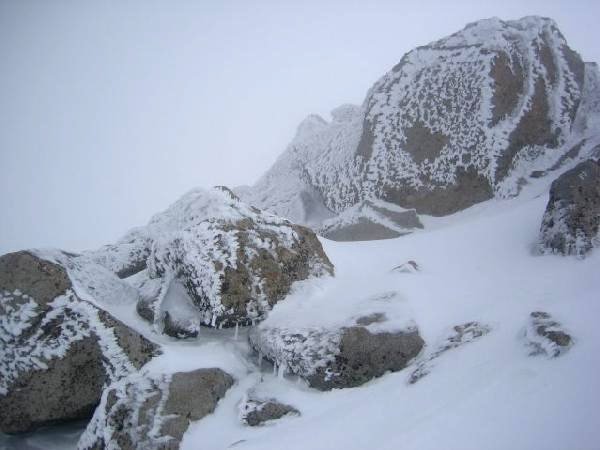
109, 111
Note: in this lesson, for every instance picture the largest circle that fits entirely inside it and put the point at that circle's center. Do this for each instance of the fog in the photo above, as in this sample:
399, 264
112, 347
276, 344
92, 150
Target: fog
109, 111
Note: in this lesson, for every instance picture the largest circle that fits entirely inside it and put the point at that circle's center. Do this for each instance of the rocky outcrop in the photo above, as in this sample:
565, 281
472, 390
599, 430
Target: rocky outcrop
545, 336
571, 222
57, 351
457, 337
255, 411
213, 260
340, 358
370, 220
152, 412
459, 121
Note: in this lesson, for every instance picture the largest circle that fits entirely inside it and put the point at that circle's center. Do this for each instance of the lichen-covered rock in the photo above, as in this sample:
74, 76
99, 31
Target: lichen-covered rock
255, 411
456, 122
546, 336
571, 222
458, 336
57, 350
152, 412
340, 358
216, 261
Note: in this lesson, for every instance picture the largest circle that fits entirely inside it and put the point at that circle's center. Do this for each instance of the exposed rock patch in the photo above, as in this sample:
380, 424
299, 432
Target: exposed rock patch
546, 336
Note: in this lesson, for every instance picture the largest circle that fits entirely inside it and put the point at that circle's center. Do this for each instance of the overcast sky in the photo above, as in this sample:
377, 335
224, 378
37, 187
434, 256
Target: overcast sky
109, 111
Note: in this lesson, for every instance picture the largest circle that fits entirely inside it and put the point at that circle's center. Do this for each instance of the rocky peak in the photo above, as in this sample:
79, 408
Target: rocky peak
458, 121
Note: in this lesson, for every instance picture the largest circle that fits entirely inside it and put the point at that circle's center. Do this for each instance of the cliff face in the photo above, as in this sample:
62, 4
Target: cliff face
456, 122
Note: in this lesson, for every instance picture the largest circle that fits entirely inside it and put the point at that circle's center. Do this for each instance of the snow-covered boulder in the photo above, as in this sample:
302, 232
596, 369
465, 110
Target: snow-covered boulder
342, 357
457, 337
213, 260
571, 222
152, 412
58, 350
469, 117
546, 336
255, 411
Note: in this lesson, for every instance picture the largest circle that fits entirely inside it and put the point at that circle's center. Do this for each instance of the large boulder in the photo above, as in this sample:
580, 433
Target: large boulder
212, 260
461, 120
152, 412
255, 411
338, 358
57, 350
571, 222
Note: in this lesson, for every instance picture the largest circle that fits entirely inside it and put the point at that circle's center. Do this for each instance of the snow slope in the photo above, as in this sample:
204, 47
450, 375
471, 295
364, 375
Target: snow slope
489, 394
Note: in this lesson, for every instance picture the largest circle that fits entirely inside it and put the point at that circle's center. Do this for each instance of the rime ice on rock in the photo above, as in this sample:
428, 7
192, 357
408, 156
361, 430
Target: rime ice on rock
571, 222
456, 122
213, 260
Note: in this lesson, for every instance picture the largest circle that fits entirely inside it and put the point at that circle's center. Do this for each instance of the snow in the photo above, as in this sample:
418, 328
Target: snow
477, 265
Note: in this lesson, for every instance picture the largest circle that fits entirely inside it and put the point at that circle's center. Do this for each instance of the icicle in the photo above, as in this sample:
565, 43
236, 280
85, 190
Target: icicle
260, 358
275, 368
235, 335
281, 371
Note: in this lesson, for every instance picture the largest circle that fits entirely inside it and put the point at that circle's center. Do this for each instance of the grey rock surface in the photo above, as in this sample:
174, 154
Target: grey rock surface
571, 222
57, 351
544, 335
153, 412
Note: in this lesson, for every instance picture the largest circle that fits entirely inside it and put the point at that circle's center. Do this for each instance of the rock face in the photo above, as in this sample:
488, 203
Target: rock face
458, 121
342, 358
546, 336
57, 351
144, 412
255, 411
571, 223
212, 260
460, 335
